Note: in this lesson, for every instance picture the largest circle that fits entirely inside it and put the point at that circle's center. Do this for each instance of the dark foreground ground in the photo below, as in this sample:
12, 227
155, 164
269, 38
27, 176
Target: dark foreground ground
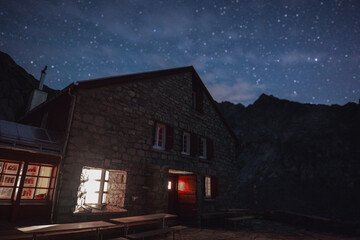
256, 229
259, 229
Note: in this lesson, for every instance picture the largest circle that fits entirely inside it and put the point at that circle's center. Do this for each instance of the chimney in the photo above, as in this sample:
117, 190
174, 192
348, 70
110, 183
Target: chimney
38, 96
42, 78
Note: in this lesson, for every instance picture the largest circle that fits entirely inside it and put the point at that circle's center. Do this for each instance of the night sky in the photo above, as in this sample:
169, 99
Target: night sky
305, 51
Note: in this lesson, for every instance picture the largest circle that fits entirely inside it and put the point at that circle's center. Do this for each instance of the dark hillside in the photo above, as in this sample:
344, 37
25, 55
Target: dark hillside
16, 86
301, 157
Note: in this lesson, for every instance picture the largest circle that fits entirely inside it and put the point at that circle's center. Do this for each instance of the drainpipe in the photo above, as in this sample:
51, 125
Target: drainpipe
59, 170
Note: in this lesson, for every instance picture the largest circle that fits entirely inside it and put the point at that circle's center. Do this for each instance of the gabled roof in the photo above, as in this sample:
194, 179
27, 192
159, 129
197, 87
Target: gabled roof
101, 82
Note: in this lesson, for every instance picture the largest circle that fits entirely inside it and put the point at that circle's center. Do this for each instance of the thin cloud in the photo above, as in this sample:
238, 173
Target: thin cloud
239, 91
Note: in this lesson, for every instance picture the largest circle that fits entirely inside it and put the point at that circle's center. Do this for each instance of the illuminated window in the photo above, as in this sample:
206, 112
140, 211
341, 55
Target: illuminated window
9, 175
202, 147
169, 185
100, 187
160, 133
186, 143
38, 181
211, 187
207, 186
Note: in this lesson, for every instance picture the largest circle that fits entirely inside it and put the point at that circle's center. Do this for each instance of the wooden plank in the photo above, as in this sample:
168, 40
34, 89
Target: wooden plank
65, 227
142, 218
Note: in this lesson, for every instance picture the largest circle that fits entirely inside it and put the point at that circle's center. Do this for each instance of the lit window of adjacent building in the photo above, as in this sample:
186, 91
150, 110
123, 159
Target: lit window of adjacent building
160, 133
38, 182
186, 143
202, 147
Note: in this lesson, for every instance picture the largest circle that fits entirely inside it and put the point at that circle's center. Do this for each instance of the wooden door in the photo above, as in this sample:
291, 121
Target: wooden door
172, 194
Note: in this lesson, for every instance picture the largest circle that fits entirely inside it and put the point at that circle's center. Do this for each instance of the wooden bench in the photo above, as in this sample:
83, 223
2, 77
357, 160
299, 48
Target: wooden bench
236, 220
161, 231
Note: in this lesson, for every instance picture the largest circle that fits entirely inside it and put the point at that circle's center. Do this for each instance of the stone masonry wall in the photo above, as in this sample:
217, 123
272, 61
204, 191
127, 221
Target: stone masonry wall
113, 128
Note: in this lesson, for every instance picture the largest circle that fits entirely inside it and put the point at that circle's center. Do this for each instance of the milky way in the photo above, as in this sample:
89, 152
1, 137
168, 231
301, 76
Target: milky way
305, 51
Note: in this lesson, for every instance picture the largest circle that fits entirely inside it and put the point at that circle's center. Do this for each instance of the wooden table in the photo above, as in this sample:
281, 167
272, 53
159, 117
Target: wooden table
66, 227
143, 218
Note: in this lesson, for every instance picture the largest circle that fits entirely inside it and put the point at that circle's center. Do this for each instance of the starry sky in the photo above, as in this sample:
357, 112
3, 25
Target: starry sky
302, 50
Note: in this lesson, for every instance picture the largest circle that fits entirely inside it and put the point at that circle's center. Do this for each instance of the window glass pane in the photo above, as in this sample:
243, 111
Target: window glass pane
43, 182
92, 186
45, 171
27, 193
106, 175
30, 182
32, 170
104, 198
41, 194
91, 197
94, 174
105, 186
5, 193
7, 180
11, 168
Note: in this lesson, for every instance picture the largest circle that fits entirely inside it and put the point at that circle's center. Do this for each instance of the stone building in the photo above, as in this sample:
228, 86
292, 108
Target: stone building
138, 144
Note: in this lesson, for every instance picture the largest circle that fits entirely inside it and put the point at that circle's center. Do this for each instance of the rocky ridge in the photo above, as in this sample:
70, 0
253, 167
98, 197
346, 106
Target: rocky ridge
301, 157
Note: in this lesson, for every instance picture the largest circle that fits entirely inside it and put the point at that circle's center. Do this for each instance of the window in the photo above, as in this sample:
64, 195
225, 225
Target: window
186, 143
193, 100
202, 147
164, 137
100, 187
197, 95
9, 175
38, 181
211, 187
160, 131
207, 186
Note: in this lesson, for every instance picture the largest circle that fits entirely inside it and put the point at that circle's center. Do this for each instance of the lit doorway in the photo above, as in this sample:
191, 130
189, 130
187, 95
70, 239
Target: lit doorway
182, 199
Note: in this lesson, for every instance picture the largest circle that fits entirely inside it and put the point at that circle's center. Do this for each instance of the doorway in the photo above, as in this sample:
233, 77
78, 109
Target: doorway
182, 199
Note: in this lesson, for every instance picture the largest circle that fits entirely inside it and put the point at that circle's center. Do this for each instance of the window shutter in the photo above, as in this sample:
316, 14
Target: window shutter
214, 186
209, 149
193, 144
169, 141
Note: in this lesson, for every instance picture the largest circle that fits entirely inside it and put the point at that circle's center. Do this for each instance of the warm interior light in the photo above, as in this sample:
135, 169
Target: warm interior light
181, 186
207, 186
92, 185
169, 185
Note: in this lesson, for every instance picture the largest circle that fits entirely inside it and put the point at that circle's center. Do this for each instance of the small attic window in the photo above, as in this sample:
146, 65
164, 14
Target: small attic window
197, 96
